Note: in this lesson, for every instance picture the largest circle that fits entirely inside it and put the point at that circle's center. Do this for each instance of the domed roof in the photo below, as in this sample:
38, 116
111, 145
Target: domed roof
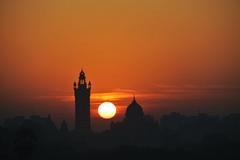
134, 110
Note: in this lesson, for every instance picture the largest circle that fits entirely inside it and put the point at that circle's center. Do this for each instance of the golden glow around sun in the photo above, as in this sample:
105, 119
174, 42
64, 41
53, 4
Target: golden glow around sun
107, 110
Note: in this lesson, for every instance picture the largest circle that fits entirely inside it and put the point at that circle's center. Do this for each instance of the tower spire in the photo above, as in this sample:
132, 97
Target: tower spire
82, 78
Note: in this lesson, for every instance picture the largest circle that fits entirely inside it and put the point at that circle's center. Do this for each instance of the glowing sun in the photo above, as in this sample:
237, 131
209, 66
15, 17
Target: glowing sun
107, 110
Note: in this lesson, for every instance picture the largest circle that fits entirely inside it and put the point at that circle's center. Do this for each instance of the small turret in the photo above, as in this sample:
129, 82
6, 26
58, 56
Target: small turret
74, 85
64, 127
89, 84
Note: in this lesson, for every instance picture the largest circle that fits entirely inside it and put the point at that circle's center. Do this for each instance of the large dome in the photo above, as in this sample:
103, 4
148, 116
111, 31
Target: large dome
134, 111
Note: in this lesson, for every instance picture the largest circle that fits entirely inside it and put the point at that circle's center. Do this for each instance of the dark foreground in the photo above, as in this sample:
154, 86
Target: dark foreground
175, 137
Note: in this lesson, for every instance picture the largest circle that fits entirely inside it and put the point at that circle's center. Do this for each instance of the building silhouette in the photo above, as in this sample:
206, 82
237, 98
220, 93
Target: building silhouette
37, 123
82, 93
136, 129
134, 111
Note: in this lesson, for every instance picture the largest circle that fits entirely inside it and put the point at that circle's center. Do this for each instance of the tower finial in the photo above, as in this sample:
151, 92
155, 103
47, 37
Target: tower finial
82, 78
74, 85
89, 84
82, 72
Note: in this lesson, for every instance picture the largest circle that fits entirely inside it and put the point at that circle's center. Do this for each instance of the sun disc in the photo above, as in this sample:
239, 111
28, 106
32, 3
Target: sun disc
107, 110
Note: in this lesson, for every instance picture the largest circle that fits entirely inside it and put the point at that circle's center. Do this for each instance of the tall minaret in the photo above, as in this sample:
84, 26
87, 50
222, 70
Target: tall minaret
82, 104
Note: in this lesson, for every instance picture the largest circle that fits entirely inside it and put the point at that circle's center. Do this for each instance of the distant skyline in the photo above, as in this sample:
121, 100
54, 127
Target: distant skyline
173, 55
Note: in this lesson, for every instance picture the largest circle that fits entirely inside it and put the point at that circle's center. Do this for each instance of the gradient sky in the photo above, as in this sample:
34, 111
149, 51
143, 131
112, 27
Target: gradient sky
174, 55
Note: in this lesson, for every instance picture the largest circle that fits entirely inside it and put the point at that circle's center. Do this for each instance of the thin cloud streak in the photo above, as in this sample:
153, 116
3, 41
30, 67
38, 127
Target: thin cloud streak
160, 92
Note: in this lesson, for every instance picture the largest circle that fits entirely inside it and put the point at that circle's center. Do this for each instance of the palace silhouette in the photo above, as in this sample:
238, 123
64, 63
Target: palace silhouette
134, 116
137, 136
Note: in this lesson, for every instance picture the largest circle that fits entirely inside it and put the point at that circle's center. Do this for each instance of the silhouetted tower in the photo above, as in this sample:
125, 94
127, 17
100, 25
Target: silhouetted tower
82, 104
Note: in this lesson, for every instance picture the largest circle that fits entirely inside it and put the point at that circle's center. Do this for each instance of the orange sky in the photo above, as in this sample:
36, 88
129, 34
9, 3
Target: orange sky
168, 52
